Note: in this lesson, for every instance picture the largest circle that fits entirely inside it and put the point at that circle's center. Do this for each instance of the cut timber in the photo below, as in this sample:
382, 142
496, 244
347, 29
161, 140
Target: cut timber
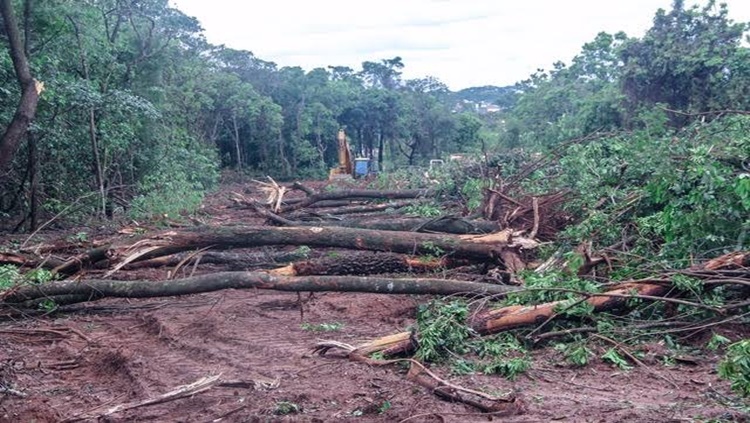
449, 225
89, 290
357, 209
232, 261
226, 237
356, 194
366, 263
511, 317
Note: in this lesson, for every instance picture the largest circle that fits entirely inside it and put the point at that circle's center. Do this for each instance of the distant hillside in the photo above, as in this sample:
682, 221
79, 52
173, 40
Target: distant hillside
505, 97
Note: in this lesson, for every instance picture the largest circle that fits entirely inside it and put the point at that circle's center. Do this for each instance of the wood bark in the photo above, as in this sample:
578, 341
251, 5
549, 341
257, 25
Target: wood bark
366, 263
231, 261
450, 225
89, 290
484, 248
349, 209
30, 89
357, 193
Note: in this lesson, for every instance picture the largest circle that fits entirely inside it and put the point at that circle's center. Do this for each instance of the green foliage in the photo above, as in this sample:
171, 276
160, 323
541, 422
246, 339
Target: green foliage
717, 341
304, 251
501, 354
9, 276
431, 250
384, 406
509, 368
463, 367
736, 367
473, 192
176, 187
612, 356
679, 195
322, 327
547, 287
442, 329
40, 276
576, 353
48, 305
284, 408
424, 210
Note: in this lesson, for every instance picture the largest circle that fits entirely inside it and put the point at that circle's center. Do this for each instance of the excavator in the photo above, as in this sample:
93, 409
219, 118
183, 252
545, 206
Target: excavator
345, 169
348, 168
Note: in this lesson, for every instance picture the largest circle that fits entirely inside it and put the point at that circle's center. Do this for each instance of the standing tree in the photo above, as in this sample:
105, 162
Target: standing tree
30, 89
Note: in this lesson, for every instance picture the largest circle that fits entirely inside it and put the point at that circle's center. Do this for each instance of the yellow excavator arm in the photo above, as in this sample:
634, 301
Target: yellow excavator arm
346, 164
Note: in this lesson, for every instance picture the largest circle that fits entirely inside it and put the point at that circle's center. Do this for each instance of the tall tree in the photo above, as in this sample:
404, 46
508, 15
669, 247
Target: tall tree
690, 60
30, 89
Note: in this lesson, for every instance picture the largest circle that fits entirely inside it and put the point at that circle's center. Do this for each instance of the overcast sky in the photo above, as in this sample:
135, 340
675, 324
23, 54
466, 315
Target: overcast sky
462, 42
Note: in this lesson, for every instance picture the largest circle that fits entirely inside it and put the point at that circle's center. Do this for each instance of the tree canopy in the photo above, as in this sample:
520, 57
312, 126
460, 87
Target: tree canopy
138, 107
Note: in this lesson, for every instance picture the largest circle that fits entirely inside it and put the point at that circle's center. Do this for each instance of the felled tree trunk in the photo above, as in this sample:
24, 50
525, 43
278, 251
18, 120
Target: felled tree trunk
232, 261
356, 194
366, 263
475, 247
67, 292
512, 317
358, 209
449, 225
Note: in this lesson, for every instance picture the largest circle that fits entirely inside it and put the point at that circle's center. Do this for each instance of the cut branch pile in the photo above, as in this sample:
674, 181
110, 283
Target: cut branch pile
540, 216
617, 297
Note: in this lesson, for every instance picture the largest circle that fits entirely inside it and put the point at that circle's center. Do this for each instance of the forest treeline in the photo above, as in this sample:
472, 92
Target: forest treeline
138, 112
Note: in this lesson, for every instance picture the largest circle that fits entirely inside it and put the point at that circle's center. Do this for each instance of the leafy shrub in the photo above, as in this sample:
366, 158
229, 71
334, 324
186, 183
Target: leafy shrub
442, 329
178, 183
736, 367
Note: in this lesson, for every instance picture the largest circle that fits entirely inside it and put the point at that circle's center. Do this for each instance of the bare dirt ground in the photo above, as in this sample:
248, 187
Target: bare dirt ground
86, 359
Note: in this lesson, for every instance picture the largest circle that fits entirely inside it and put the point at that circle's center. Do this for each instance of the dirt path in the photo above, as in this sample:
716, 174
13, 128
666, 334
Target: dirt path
116, 351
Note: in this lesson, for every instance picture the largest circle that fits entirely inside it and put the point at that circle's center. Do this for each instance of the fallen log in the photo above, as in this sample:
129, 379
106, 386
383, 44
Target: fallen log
511, 317
29, 260
475, 247
90, 290
445, 224
367, 263
349, 209
356, 194
233, 261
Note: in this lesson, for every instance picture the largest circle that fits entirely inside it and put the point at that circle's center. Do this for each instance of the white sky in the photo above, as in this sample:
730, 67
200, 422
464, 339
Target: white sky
461, 42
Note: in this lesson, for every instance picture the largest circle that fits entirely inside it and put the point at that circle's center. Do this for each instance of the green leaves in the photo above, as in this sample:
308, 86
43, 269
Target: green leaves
442, 329
736, 367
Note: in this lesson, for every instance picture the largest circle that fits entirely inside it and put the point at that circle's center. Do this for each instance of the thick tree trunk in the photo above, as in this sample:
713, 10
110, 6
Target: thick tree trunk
473, 247
230, 261
89, 290
357, 193
366, 263
349, 209
33, 181
450, 225
30, 89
